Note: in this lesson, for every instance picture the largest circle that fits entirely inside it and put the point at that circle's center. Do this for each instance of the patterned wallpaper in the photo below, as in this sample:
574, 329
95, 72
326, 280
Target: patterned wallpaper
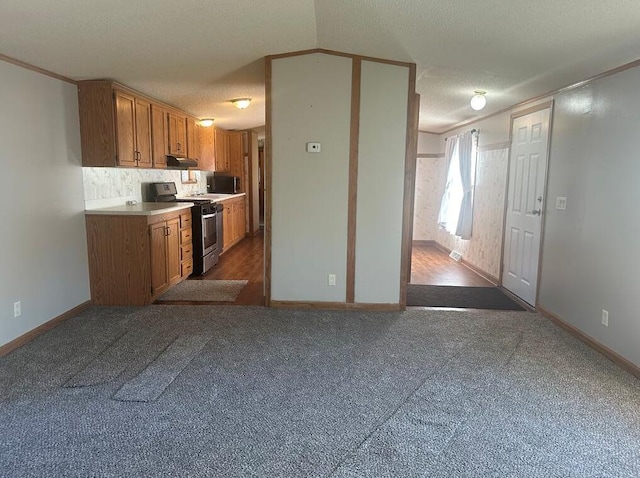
104, 187
483, 250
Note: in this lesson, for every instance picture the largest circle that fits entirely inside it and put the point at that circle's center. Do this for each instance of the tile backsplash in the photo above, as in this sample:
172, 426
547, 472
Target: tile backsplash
104, 187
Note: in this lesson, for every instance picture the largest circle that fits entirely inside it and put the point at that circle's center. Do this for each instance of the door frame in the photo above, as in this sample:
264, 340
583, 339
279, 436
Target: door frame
518, 114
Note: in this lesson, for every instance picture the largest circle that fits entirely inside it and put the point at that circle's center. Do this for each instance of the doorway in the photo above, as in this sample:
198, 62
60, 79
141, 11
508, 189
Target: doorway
525, 204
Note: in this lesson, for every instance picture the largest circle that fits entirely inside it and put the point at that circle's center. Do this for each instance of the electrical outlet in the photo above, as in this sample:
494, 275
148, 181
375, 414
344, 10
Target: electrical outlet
605, 318
17, 309
332, 279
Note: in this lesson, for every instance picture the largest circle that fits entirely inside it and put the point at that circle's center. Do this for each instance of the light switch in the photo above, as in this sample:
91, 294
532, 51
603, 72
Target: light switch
313, 147
561, 203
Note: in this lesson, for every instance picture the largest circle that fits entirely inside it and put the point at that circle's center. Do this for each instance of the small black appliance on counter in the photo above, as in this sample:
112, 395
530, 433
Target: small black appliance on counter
224, 183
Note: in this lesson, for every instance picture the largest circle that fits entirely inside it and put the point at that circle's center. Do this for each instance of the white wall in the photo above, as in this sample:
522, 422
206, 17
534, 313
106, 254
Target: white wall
590, 257
381, 161
44, 252
311, 101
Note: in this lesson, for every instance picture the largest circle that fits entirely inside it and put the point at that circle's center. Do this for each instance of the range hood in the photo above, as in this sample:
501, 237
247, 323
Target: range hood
181, 163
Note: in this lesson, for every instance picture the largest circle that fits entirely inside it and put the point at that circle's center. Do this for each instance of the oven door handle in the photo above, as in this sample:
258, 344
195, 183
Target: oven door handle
209, 216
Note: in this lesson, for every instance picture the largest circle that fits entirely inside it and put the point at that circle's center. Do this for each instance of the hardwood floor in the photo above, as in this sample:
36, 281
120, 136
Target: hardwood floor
245, 261
432, 266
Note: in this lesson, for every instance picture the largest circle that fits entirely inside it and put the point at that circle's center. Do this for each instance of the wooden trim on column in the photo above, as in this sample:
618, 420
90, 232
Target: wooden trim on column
32, 334
354, 139
616, 358
268, 181
37, 69
411, 151
340, 53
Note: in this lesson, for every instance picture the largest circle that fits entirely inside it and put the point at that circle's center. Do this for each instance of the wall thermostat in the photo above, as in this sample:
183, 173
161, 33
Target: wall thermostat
313, 147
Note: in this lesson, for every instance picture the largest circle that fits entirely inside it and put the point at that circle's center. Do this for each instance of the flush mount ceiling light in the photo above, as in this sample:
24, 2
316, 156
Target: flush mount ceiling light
478, 101
241, 103
206, 122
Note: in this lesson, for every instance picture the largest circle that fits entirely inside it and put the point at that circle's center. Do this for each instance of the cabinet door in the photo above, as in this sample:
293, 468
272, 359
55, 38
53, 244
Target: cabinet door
125, 129
235, 155
227, 225
193, 140
222, 147
239, 220
158, 239
143, 133
173, 250
207, 149
177, 135
159, 136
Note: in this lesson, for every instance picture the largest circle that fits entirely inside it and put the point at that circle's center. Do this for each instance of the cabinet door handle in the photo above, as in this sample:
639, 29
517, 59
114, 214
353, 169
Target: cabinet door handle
178, 146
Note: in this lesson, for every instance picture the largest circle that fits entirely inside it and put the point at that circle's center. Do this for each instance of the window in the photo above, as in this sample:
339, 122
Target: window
456, 207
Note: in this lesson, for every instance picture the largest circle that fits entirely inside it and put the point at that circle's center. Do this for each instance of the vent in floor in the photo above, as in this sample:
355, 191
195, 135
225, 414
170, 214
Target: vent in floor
455, 255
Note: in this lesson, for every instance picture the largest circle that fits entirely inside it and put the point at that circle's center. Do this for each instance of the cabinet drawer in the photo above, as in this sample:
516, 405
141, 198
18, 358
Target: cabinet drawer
185, 236
186, 252
187, 268
185, 221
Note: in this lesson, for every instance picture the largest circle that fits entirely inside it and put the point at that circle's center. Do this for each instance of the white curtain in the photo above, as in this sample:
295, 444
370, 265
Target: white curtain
467, 169
450, 204
456, 207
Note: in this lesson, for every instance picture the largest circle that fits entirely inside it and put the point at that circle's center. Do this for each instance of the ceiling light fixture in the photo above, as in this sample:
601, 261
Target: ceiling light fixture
206, 122
478, 101
241, 103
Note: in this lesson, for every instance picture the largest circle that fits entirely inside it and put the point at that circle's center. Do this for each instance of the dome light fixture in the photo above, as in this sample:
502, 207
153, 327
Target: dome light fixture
478, 101
206, 122
241, 103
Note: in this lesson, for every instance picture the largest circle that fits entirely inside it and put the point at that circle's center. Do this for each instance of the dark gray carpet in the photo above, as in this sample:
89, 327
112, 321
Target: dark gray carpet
460, 297
204, 291
150, 384
286, 393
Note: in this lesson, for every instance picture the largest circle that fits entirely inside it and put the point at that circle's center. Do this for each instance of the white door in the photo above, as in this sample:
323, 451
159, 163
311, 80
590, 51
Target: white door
525, 203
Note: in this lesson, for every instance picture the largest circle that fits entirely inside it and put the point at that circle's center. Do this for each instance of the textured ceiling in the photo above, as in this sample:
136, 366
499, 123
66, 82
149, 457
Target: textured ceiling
198, 54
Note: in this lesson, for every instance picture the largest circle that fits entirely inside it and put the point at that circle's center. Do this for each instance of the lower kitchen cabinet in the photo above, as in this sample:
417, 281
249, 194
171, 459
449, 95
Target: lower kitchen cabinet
135, 258
165, 255
233, 225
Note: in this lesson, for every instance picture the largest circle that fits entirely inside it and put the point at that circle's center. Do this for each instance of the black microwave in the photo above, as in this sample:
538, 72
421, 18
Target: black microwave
222, 183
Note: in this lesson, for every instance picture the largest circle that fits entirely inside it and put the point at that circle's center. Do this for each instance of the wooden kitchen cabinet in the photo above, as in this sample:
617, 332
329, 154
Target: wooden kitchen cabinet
223, 163
133, 131
177, 135
193, 139
207, 149
186, 245
159, 138
233, 222
135, 258
235, 157
165, 255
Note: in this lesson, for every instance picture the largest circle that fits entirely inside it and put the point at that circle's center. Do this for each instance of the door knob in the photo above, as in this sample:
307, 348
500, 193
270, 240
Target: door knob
536, 212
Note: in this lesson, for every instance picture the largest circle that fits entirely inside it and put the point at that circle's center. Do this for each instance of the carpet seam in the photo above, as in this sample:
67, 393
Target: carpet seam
391, 414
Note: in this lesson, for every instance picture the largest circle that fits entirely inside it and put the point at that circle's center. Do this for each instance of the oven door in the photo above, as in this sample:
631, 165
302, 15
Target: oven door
209, 234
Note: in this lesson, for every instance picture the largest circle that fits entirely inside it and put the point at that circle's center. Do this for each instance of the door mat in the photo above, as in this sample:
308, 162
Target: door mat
460, 297
204, 291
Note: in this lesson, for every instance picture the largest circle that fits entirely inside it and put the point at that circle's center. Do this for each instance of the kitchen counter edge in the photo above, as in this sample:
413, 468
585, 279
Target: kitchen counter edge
140, 209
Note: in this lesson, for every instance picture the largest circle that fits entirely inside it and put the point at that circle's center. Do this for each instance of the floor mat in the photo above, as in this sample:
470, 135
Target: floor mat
459, 297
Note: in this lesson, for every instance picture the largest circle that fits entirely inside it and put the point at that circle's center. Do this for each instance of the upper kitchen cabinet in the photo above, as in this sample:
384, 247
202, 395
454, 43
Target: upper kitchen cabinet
207, 160
177, 135
193, 139
115, 126
236, 159
222, 150
159, 136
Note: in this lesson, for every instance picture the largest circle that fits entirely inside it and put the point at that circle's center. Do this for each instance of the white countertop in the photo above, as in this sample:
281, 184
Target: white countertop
141, 209
214, 197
